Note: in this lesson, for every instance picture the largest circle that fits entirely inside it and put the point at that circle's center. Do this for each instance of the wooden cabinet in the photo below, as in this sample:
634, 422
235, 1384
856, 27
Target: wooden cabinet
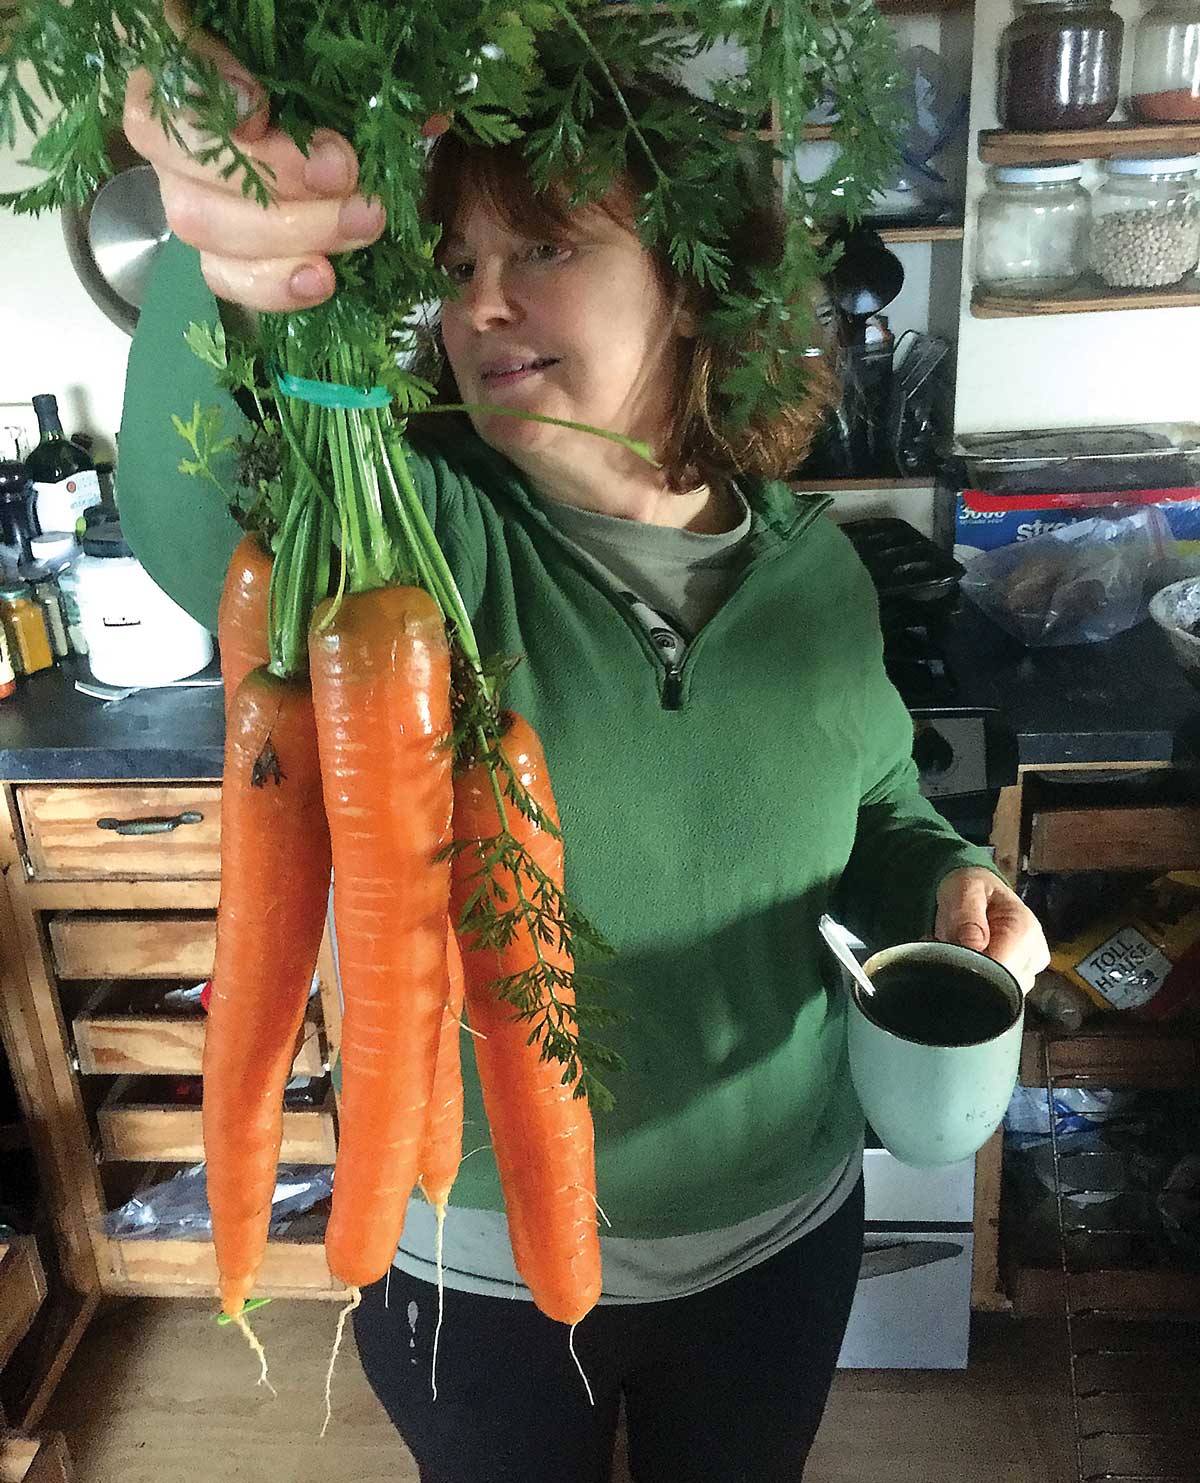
107, 920
34, 1459
1121, 818
22, 1291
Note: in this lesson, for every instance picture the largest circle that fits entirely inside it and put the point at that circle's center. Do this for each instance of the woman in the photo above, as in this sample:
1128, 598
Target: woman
701, 656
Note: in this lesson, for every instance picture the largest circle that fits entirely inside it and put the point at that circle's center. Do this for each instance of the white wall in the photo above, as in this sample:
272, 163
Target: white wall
1067, 370
52, 337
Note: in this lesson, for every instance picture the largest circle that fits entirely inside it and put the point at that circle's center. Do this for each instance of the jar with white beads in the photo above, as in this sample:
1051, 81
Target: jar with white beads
1146, 222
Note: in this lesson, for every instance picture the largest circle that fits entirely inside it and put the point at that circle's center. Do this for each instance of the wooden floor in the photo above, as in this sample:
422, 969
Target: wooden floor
159, 1393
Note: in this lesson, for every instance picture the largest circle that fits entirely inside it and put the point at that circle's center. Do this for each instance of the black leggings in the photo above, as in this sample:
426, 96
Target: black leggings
726, 1385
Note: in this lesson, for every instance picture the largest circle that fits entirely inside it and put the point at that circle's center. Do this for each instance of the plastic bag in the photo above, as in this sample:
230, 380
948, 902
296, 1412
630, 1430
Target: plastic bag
1079, 584
178, 1208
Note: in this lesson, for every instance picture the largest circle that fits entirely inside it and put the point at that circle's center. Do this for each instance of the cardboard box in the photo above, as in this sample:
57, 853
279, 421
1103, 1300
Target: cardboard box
972, 521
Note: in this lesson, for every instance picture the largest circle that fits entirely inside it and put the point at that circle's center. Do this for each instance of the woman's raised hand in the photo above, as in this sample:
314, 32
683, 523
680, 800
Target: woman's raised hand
274, 258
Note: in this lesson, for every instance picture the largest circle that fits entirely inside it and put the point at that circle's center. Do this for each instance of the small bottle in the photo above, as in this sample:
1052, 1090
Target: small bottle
53, 557
63, 474
48, 598
26, 630
8, 675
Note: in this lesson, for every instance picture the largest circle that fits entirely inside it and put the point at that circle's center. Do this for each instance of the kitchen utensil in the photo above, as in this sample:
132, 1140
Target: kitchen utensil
114, 239
122, 692
838, 939
933, 1103
865, 279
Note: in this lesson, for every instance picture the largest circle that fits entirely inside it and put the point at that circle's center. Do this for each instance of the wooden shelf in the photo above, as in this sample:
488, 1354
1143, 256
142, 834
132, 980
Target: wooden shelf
949, 232
1040, 1290
1114, 1053
1112, 141
1088, 298
850, 486
885, 7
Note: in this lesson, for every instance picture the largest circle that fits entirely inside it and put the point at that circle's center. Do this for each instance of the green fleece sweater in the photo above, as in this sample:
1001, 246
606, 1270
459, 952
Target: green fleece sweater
710, 815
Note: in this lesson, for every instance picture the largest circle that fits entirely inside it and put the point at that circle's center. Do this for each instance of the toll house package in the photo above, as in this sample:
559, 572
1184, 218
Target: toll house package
1145, 958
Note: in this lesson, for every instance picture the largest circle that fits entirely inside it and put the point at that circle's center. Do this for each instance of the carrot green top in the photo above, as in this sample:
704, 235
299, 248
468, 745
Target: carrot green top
710, 815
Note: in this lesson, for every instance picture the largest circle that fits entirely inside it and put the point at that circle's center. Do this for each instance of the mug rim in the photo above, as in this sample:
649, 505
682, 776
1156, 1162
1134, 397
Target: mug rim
941, 952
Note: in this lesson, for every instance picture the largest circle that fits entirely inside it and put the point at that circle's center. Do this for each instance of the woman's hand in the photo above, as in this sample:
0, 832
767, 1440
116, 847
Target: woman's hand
274, 258
976, 909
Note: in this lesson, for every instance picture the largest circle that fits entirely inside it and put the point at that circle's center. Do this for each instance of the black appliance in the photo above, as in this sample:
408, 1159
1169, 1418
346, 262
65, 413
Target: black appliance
964, 754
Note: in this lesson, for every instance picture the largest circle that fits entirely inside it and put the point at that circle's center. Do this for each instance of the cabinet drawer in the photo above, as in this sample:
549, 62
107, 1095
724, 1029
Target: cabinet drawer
133, 945
125, 832
34, 1459
137, 1129
118, 1036
1162, 837
22, 1290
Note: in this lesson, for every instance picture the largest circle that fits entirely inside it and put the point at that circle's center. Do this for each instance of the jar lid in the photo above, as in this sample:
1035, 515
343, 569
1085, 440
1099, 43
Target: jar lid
1177, 165
1033, 174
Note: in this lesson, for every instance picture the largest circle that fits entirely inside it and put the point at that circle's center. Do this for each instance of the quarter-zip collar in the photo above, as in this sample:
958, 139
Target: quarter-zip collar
778, 517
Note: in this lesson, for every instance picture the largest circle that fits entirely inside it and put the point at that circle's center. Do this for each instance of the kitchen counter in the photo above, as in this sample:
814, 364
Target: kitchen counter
49, 732
1122, 700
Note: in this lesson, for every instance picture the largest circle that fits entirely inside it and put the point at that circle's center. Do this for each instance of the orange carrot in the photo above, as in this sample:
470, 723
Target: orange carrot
441, 1151
274, 887
242, 614
381, 685
541, 1134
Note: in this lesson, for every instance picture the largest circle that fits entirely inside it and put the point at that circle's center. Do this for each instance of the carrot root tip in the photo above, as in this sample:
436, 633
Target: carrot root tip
355, 1300
579, 1367
252, 1339
441, 1285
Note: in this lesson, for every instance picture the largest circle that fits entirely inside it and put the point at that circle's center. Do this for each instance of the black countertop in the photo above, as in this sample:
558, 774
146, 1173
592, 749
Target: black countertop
1124, 700
50, 732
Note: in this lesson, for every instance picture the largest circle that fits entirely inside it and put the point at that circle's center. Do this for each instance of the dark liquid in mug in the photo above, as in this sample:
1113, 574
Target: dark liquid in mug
938, 1004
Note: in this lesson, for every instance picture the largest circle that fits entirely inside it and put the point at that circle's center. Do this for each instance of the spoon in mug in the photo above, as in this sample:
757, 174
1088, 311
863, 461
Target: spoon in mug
835, 935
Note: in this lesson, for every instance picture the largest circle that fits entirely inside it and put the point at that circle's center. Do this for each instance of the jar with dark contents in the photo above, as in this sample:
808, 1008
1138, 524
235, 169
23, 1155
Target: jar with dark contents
1060, 65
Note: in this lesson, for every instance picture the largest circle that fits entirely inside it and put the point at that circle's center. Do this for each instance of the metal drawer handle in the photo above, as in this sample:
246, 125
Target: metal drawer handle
162, 825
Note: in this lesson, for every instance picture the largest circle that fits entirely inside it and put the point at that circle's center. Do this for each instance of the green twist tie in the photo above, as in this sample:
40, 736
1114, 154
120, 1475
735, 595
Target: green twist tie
332, 393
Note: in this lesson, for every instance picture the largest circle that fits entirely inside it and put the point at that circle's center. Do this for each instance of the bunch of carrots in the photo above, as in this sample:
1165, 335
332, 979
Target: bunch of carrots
363, 735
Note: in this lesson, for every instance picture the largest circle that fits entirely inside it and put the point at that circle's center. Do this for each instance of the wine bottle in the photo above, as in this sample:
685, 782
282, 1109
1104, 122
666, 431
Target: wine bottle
63, 474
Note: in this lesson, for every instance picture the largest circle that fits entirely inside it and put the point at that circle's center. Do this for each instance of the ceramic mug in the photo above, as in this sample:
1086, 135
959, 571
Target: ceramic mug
934, 1052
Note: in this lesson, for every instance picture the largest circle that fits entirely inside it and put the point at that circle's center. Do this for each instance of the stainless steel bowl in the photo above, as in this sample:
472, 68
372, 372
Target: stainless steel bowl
1176, 610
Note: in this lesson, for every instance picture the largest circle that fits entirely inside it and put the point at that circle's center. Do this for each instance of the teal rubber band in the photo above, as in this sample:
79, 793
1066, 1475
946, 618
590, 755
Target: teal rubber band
332, 393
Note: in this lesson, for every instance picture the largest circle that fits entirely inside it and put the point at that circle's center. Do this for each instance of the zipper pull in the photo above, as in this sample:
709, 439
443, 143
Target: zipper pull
672, 690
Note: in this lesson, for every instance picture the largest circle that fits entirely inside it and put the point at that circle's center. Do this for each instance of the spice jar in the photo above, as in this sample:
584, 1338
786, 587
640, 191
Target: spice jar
1166, 64
1033, 230
1146, 223
8, 675
1060, 65
26, 627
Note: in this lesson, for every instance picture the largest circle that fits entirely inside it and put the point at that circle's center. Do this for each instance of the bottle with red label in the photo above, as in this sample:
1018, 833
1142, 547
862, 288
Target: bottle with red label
63, 474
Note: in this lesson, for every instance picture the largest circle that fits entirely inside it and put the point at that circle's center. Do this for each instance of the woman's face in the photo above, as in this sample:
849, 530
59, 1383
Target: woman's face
579, 329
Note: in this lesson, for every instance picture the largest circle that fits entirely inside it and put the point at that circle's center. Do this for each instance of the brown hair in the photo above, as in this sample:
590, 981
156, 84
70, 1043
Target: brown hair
705, 444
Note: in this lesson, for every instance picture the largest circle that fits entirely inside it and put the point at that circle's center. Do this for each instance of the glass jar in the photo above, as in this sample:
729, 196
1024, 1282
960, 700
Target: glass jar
1033, 230
1166, 64
29, 641
1146, 223
1060, 65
